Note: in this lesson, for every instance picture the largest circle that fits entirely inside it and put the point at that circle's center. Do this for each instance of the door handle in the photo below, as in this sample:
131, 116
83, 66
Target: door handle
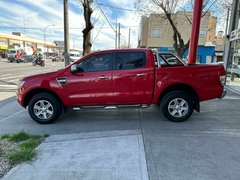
103, 77
143, 74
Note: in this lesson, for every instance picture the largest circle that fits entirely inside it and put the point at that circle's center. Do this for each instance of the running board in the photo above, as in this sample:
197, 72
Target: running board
110, 107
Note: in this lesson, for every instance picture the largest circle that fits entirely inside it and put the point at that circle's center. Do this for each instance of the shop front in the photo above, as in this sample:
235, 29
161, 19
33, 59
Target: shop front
232, 60
233, 63
3, 50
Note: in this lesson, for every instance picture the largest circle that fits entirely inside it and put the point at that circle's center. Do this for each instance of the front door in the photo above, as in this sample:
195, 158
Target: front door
92, 85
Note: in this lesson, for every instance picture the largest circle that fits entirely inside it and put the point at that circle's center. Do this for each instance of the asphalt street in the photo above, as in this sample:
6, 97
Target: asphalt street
132, 143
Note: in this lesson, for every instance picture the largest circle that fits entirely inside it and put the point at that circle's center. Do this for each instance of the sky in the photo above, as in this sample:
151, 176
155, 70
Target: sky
33, 16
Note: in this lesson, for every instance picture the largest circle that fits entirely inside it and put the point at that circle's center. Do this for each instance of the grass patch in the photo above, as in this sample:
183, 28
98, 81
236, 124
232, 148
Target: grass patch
23, 155
25, 146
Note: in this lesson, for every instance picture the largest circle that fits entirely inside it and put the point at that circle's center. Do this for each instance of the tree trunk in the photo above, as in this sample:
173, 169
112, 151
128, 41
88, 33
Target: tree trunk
87, 44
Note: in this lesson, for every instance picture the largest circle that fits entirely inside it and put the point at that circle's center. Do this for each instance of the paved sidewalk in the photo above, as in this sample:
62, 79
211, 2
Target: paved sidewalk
133, 144
96, 156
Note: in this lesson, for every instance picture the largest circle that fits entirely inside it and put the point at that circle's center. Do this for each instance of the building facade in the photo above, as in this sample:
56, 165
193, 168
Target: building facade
156, 32
232, 50
219, 46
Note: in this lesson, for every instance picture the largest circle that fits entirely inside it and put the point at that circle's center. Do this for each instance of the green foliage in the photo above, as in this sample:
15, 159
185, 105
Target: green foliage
46, 135
30, 144
25, 149
21, 136
5, 136
17, 156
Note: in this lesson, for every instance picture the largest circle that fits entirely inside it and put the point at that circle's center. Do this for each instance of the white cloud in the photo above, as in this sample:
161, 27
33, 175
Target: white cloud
33, 17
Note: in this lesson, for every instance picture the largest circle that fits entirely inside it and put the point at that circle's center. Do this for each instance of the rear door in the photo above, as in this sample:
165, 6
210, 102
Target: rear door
92, 85
132, 78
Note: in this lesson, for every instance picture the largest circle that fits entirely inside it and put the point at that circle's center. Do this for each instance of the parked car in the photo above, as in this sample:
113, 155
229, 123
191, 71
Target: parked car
122, 78
58, 59
25, 59
75, 55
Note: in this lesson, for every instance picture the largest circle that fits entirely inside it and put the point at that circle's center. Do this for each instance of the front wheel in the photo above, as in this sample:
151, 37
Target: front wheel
177, 106
43, 64
44, 108
34, 63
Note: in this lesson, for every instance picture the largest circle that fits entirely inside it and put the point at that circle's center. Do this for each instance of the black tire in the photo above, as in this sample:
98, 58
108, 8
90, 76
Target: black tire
177, 106
43, 64
45, 108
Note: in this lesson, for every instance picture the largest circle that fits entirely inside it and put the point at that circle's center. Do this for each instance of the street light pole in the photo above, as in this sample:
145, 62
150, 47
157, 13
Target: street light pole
116, 22
45, 38
74, 39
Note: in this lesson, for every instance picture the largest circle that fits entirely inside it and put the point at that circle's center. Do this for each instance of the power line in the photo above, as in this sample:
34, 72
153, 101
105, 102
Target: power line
62, 27
124, 9
105, 16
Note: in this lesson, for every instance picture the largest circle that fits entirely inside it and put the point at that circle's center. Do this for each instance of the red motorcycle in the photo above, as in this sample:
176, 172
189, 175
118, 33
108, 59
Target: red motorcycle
40, 62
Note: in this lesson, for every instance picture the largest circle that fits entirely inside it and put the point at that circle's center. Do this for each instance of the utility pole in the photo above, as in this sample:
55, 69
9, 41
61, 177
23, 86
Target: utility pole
228, 10
129, 37
119, 34
66, 33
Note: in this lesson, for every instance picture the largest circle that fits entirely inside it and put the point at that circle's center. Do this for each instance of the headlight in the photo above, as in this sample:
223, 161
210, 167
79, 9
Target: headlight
20, 83
223, 80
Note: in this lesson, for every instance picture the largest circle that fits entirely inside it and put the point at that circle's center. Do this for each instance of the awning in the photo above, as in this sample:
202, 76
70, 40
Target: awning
4, 47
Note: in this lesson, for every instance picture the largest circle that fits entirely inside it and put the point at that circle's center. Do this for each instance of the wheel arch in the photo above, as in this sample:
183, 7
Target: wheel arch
184, 88
33, 92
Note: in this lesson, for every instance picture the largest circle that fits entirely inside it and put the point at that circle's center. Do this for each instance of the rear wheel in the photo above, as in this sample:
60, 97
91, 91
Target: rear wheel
45, 108
177, 106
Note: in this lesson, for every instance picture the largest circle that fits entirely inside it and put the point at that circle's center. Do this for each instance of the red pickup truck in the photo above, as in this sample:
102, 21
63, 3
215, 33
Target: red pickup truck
120, 79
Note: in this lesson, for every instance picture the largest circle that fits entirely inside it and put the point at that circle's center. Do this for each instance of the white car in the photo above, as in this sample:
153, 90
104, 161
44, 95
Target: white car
75, 56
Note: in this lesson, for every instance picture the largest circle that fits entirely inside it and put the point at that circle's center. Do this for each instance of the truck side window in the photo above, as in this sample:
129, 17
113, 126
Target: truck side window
95, 63
130, 60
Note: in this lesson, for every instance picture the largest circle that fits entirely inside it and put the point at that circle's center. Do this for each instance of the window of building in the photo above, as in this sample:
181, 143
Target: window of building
202, 33
130, 60
155, 32
198, 60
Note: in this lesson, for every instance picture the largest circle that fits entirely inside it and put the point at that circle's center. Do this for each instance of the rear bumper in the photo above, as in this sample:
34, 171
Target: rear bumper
223, 94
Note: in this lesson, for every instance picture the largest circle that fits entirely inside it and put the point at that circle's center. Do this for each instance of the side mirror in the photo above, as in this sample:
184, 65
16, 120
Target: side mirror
74, 68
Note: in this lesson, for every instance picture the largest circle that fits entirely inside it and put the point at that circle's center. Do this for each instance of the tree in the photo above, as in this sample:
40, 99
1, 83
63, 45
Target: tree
169, 8
87, 10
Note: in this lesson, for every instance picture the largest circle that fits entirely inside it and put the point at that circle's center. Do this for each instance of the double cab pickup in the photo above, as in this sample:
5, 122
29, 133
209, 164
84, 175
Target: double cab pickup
122, 78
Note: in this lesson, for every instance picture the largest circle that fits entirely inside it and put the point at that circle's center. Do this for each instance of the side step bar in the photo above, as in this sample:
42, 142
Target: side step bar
110, 107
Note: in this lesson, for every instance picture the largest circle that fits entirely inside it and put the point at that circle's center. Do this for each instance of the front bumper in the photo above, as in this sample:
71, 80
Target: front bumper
19, 97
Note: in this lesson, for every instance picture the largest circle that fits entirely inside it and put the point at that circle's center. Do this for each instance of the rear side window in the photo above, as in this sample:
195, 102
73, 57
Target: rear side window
130, 60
